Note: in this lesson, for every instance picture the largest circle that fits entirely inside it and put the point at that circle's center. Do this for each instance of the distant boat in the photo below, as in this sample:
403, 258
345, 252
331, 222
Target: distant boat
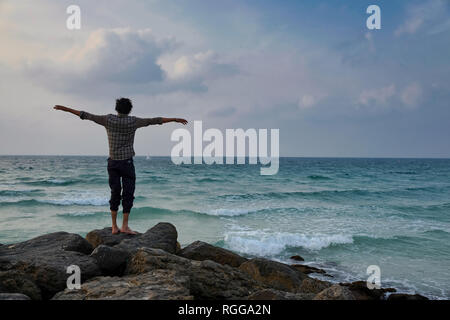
147, 158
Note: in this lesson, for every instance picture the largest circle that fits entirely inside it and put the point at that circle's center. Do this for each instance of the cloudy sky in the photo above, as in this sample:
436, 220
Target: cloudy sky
310, 68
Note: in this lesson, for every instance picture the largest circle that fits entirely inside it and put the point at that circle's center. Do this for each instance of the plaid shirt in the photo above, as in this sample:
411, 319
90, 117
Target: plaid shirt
120, 129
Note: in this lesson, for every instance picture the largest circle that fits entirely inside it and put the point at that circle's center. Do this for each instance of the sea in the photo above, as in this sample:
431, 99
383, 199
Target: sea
344, 215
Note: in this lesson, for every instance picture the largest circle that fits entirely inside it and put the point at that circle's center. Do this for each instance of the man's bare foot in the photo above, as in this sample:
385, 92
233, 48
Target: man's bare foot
127, 230
115, 230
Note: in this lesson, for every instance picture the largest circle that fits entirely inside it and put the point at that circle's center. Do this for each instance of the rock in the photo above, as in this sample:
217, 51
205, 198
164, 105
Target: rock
153, 285
335, 292
272, 294
297, 258
310, 285
111, 261
307, 269
404, 296
162, 236
46, 258
57, 240
200, 250
104, 236
273, 274
207, 279
362, 292
14, 281
13, 296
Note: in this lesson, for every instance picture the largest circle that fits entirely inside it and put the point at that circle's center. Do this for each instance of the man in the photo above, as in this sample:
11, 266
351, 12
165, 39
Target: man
121, 129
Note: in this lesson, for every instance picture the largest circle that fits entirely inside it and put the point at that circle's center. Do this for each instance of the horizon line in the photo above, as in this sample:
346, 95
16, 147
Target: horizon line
168, 156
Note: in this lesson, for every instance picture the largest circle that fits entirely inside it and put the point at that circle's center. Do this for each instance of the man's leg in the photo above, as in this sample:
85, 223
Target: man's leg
116, 188
129, 182
115, 228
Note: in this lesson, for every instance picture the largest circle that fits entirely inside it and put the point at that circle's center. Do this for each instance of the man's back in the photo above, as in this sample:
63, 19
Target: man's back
120, 129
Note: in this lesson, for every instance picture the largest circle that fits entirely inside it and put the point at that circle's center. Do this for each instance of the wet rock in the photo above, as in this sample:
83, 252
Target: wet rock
45, 260
314, 286
307, 269
111, 261
14, 281
13, 296
404, 296
297, 258
207, 279
153, 285
360, 291
200, 250
162, 236
273, 274
104, 236
335, 292
272, 294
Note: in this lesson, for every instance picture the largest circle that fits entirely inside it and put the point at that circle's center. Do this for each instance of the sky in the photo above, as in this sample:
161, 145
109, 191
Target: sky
311, 69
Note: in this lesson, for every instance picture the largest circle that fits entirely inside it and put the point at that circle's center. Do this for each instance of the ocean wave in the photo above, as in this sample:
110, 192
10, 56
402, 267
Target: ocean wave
16, 193
263, 243
52, 182
91, 201
210, 180
94, 201
82, 214
290, 194
318, 177
332, 194
152, 179
232, 212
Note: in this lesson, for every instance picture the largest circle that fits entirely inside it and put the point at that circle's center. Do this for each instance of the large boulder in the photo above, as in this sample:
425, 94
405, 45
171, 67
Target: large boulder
14, 281
13, 296
153, 285
162, 236
335, 292
105, 236
200, 251
272, 294
46, 258
111, 261
208, 279
273, 274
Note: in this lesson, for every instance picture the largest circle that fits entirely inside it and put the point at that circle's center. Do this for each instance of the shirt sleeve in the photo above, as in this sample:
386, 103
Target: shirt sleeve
101, 120
144, 122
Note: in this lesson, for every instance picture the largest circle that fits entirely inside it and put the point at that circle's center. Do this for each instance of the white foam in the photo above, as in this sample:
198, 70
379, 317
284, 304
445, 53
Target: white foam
78, 214
262, 243
232, 212
56, 181
94, 201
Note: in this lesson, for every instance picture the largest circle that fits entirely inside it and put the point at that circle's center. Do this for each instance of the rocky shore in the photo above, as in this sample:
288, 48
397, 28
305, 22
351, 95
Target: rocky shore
153, 266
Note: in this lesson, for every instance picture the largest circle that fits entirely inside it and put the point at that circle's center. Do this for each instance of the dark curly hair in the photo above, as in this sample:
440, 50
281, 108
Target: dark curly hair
124, 105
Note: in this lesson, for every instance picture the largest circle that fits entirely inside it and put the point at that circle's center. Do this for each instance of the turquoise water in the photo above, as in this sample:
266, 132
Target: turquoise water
339, 214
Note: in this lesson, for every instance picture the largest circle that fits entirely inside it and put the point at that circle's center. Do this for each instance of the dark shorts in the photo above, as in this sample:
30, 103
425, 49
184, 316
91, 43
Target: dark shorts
122, 181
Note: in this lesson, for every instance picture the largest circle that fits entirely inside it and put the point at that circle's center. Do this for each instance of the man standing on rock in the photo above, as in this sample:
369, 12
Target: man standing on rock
122, 177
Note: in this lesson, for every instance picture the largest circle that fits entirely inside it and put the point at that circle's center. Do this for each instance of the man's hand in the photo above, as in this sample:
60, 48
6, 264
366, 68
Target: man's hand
183, 121
67, 109
58, 107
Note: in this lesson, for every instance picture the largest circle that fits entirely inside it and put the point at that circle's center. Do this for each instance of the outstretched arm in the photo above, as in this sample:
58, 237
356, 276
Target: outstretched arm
143, 122
165, 120
67, 109
101, 120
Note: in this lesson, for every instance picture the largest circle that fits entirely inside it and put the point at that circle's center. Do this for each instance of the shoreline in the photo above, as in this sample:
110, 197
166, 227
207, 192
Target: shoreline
159, 269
